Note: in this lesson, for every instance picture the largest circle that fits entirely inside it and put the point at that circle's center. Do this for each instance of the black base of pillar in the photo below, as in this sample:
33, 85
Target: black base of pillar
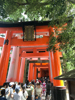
60, 93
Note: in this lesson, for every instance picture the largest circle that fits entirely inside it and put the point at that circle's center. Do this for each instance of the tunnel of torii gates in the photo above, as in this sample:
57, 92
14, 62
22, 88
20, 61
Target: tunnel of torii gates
47, 63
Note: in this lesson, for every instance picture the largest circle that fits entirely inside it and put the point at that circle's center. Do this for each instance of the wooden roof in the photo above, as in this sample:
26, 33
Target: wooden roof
70, 76
35, 23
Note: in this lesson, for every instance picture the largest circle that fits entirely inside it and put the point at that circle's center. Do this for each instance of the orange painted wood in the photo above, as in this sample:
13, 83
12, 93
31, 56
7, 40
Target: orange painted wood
41, 65
58, 70
40, 41
53, 68
45, 63
31, 72
60, 54
20, 30
1, 41
14, 29
21, 75
43, 27
37, 64
30, 55
19, 42
57, 65
39, 74
5, 59
38, 48
18, 71
49, 73
13, 68
41, 30
35, 73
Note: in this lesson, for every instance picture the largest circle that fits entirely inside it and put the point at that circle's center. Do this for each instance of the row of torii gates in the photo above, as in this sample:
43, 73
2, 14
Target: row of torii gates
34, 51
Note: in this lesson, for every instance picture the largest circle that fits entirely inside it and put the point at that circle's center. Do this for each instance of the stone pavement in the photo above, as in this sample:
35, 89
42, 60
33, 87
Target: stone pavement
67, 96
43, 97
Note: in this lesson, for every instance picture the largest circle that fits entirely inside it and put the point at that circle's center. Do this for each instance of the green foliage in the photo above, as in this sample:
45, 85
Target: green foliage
68, 66
52, 41
13, 9
68, 59
57, 11
2, 10
65, 37
66, 41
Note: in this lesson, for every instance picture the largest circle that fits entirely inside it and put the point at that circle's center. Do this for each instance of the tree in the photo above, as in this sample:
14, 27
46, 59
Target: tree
51, 9
66, 41
57, 11
68, 59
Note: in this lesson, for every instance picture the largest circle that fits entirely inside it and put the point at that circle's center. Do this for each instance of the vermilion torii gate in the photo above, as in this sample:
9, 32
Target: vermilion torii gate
26, 49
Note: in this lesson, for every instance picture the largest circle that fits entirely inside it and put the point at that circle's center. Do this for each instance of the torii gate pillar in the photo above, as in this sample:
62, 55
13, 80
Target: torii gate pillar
35, 73
59, 83
18, 70
21, 75
12, 73
58, 70
59, 87
39, 74
30, 73
5, 57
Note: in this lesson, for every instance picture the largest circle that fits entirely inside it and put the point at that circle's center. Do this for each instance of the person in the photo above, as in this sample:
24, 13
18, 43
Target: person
44, 87
11, 91
36, 97
24, 95
27, 82
38, 91
46, 80
32, 88
41, 79
7, 90
16, 95
25, 85
52, 92
33, 82
19, 84
29, 90
2, 97
4, 85
48, 89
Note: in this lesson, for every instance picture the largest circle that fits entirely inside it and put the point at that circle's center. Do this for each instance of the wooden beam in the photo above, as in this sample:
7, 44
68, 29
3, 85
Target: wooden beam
38, 42
34, 49
19, 42
20, 30
42, 30
43, 67
43, 27
1, 41
22, 48
41, 61
13, 29
34, 55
